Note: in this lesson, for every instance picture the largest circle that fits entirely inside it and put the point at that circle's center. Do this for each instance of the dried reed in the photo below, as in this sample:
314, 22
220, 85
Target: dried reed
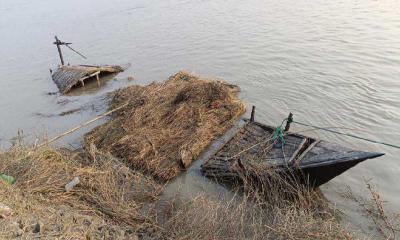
167, 125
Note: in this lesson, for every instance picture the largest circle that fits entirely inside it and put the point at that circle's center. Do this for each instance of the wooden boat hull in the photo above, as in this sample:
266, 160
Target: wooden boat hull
318, 174
309, 160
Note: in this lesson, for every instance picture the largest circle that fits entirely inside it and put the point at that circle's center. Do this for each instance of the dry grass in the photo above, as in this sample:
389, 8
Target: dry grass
111, 203
106, 202
277, 203
167, 125
247, 218
268, 205
386, 224
111, 199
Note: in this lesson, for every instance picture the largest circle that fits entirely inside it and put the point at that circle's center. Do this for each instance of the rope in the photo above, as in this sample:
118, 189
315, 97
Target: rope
278, 135
347, 134
80, 54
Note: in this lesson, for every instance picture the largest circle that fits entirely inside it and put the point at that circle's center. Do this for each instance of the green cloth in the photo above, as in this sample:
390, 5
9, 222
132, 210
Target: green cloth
9, 179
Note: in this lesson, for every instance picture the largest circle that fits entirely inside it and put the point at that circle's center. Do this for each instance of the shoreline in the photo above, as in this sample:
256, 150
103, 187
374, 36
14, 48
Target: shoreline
104, 201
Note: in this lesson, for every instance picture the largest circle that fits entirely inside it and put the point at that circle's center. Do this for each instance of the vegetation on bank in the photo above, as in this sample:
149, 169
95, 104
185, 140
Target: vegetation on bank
112, 189
113, 201
106, 200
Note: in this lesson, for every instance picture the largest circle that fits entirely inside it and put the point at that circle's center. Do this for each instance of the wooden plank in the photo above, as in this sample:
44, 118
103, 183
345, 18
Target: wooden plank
220, 143
98, 80
91, 75
307, 150
305, 140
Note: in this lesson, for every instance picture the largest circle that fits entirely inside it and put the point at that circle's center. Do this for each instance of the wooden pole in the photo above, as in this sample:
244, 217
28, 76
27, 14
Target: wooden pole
83, 125
288, 122
73, 130
253, 112
58, 43
98, 80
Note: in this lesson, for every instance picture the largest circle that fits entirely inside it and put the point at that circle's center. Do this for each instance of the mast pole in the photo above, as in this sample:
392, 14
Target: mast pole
58, 43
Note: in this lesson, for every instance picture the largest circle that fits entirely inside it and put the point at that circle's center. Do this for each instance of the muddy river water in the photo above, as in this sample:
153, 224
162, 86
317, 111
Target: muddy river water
331, 63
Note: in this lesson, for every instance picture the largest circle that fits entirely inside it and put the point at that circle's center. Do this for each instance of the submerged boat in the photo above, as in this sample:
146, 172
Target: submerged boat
310, 160
67, 77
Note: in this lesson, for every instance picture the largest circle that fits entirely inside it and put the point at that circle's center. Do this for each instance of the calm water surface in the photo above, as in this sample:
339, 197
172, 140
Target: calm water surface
332, 63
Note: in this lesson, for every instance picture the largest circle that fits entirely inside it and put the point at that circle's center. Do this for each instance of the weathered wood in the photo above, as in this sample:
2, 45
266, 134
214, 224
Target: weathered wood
301, 146
307, 150
288, 122
311, 161
222, 141
83, 125
253, 111
30, 152
98, 79
58, 43
91, 75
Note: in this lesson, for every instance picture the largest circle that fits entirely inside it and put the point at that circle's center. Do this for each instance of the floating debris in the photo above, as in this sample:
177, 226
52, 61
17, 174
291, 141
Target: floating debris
52, 93
65, 101
70, 111
61, 114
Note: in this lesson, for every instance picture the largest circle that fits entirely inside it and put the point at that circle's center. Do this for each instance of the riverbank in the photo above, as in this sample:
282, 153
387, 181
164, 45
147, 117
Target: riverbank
112, 187
113, 201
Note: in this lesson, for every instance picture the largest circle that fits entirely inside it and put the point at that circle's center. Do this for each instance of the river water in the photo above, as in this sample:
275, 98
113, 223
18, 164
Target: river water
331, 63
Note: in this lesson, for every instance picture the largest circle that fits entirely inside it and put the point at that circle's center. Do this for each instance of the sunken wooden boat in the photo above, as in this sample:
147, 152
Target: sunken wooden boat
67, 77
254, 149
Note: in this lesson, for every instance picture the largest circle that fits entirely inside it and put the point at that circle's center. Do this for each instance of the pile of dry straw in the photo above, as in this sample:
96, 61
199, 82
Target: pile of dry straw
166, 125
